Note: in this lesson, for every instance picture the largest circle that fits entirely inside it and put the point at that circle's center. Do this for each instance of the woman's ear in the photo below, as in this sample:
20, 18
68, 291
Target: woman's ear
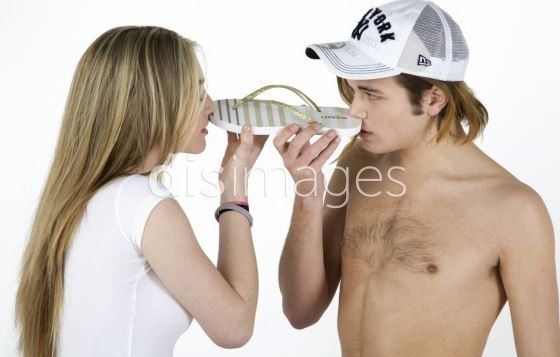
434, 101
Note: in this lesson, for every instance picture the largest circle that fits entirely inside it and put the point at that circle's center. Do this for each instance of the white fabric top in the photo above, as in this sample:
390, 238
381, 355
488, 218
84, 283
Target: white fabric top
114, 304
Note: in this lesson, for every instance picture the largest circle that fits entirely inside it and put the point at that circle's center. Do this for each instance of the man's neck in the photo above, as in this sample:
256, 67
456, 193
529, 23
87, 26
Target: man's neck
427, 157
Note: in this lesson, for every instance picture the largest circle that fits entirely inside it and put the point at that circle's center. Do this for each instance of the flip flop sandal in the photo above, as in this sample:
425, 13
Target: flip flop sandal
268, 117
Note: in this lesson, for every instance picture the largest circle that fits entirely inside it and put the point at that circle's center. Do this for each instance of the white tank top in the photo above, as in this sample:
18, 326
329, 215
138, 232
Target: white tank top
114, 304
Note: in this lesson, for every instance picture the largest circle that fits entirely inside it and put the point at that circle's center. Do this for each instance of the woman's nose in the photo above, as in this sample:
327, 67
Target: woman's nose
209, 103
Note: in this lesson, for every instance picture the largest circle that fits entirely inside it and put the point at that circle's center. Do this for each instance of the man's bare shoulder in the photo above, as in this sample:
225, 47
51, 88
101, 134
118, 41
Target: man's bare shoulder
525, 206
509, 193
500, 188
515, 207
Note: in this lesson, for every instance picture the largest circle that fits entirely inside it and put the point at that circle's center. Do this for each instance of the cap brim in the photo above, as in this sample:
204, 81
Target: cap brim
349, 62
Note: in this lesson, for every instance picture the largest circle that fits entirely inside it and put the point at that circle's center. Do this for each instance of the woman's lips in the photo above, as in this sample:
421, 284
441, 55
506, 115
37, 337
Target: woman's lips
204, 131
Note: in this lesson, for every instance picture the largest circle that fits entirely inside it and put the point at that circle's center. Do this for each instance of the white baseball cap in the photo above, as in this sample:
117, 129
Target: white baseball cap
405, 36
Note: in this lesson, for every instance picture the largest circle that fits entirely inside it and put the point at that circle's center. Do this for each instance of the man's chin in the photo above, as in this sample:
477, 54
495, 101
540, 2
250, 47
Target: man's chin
372, 148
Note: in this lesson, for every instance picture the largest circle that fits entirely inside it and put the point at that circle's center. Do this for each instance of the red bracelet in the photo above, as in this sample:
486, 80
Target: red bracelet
246, 203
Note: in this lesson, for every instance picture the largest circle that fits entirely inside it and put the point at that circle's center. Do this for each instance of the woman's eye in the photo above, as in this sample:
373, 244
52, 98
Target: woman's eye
371, 96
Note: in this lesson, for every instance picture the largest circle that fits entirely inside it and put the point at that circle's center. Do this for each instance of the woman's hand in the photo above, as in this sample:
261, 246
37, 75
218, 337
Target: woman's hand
239, 158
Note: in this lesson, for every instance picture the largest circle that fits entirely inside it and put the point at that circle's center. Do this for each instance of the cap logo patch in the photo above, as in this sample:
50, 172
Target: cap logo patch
423, 61
379, 20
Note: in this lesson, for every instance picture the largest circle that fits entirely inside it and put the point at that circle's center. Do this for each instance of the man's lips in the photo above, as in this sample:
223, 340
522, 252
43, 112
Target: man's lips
364, 134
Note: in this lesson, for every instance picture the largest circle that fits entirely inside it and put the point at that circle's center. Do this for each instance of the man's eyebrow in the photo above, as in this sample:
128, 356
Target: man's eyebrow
369, 89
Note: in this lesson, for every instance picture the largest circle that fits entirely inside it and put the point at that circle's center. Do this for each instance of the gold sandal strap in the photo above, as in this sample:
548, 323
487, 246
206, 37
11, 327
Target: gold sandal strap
251, 98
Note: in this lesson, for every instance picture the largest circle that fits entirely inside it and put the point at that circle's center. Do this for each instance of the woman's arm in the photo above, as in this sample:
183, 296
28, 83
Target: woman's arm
222, 299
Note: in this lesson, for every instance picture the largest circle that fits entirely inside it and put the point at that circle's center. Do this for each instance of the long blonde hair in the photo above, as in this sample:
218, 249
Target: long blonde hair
134, 89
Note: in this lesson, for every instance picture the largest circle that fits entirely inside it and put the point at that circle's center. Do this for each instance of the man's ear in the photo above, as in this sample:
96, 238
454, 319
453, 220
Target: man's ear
434, 101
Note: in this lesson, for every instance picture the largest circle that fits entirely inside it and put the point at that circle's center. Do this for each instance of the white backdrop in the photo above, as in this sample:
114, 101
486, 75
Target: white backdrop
247, 44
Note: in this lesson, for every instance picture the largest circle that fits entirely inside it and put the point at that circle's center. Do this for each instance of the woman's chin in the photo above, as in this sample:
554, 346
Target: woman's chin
195, 148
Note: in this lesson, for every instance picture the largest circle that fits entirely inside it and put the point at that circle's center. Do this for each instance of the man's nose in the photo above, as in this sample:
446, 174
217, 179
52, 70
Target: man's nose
356, 110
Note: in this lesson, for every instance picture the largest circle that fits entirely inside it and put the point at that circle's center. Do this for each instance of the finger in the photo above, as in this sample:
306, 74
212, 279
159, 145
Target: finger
315, 149
305, 147
300, 139
283, 136
322, 158
246, 136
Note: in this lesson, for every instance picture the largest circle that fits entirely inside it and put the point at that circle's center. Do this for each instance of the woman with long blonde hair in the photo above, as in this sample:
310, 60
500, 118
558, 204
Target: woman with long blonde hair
113, 268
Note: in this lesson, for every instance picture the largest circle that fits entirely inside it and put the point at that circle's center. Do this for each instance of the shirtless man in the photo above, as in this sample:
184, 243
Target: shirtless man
433, 236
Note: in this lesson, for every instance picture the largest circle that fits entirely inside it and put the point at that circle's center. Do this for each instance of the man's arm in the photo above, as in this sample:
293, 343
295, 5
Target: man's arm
310, 261
309, 269
528, 271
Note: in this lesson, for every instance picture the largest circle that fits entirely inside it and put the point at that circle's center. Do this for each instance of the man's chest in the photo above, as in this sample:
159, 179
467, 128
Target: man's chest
428, 235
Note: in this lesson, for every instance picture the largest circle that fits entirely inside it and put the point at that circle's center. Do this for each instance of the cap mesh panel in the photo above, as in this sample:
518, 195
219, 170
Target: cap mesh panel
460, 49
429, 30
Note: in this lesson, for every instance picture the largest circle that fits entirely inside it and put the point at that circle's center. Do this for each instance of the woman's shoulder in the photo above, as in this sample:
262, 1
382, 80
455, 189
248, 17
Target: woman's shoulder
131, 198
135, 186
